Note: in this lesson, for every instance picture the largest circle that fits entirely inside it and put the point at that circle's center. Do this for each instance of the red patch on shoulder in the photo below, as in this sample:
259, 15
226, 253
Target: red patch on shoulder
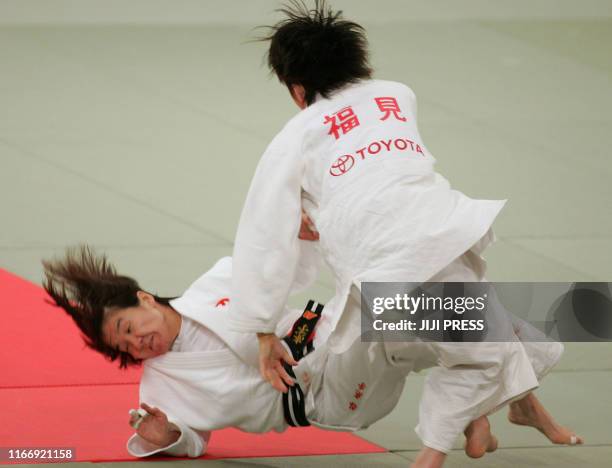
222, 302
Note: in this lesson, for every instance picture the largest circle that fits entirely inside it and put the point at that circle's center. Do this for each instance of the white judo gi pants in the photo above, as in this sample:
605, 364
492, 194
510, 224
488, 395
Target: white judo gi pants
351, 390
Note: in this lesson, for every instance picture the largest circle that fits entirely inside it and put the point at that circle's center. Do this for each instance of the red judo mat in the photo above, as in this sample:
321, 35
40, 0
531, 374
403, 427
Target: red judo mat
55, 393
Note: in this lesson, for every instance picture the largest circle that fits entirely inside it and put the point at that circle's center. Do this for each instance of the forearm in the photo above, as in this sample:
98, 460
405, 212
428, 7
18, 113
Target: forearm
266, 246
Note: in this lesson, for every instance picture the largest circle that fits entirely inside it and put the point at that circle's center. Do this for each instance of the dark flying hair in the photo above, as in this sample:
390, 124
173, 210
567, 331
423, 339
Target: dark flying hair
86, 285
317, 49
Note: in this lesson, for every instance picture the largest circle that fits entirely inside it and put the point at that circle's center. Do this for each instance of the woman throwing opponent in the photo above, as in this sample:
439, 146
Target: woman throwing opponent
383, 214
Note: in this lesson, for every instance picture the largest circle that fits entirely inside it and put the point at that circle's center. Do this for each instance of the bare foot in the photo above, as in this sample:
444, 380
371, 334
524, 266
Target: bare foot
530, 412
479, 438
429, 458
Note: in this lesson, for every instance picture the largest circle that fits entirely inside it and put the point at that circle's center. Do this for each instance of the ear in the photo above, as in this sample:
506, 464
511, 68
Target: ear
298, 93
145, 298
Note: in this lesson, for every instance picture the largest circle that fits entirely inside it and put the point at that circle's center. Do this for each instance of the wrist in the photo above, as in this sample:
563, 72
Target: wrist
172, 435
265, 335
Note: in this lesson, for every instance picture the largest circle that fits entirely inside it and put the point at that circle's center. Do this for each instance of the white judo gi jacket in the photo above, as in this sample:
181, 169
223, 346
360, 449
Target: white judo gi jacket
382, 212
208, 390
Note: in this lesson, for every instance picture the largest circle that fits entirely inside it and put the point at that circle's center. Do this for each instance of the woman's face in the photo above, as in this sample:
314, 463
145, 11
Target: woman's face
144, 331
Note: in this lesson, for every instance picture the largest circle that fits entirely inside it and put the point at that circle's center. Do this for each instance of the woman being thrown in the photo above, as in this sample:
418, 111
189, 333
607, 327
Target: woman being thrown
199, 376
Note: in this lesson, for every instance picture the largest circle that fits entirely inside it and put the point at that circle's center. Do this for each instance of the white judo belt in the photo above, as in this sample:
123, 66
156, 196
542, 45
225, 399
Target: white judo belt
299, 341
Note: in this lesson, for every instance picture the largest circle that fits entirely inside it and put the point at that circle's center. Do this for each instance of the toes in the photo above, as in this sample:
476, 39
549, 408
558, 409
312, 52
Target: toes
576, 440
492, 444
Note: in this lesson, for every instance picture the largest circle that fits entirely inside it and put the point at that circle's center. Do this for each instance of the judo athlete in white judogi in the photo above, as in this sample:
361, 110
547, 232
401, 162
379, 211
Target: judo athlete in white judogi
383, 213
199, 376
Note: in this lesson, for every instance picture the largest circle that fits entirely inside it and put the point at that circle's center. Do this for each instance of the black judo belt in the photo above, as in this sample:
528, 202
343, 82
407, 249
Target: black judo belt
300, 340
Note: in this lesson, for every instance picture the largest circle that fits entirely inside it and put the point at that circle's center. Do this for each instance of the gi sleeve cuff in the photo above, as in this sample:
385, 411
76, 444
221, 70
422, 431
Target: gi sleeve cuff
245, 325
189, 443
